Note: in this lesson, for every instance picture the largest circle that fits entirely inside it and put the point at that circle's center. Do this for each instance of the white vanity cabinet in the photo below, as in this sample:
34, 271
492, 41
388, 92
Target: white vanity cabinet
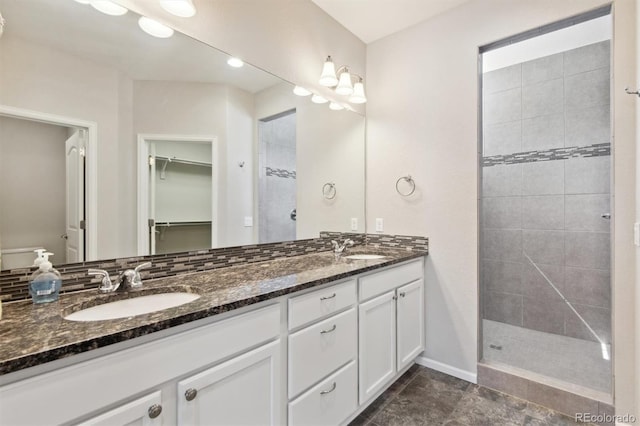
391, 325
144, 411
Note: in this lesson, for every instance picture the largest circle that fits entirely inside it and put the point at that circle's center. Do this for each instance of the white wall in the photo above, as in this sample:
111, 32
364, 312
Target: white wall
422, 120
637, 250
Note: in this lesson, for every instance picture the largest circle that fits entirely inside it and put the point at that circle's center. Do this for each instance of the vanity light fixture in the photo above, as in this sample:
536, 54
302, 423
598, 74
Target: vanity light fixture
235, 62
181, 8
335, 106
301, 91
108, 7
341, 81
317, 99
154, 28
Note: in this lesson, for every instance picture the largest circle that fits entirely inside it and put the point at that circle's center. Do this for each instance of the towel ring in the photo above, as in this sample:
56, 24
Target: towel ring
410, 181
329, 190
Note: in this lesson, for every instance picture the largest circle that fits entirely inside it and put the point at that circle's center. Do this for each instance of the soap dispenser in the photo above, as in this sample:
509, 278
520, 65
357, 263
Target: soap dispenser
45, 282
40, 257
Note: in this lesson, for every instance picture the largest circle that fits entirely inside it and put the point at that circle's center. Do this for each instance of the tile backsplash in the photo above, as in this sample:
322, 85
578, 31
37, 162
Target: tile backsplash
14, 283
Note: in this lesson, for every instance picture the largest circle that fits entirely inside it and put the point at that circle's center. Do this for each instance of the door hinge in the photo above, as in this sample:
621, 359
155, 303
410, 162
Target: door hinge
152, 222
83, 224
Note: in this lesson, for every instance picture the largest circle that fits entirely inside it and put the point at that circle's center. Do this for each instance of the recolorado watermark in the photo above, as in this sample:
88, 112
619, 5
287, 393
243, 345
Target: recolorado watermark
605, 418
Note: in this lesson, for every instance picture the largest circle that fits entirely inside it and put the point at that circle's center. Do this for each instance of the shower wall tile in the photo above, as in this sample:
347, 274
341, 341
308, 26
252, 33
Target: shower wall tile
588, 175
587, 126
502, 79
599, 319
502, 138
588, 287
503, 106
543, 315
587, 58
500, 181
503, 307
543, 212
543, 98
501, 244
542, 69
543, 132
587, 89
502, 212
505, 277
534, 285
544, 246
543, 178
584, 212
588, 250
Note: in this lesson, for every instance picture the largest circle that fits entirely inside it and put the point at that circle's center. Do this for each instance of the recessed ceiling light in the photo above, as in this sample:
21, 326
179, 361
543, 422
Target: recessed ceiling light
181, 8
108, 7
335, 106
301, 91
235, 62
154, 28
317, 99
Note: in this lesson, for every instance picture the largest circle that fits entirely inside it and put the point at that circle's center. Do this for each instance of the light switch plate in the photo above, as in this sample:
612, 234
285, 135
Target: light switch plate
354, 223
636, 234
379, 224
248, 221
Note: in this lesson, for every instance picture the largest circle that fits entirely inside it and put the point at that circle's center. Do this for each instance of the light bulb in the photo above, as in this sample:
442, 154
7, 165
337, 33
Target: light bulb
181, 8
344, 86
317, 99
335, 106
328, 77
235, 62
109, 7
358, 96
301, 91
154, 28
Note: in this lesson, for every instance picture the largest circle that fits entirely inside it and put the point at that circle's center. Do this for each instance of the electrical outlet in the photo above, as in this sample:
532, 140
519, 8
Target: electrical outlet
354, 223
248, 221
379, 224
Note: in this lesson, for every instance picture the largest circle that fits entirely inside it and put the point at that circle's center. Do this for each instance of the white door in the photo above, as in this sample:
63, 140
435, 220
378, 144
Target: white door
242, 391
74, 234
377, 333
145, 411
410, 322
152, 200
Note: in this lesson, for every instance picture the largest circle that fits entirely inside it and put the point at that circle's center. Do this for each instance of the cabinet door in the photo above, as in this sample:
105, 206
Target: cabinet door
410, 319
377, 332
145, 411
242, 391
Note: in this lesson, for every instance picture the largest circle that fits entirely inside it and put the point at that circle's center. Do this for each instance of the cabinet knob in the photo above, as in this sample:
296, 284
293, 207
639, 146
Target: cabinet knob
155, 410
394, 297
190, 394
403, 294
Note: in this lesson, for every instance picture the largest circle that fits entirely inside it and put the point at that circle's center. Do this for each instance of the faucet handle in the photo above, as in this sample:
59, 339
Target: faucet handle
106, 285
134, 279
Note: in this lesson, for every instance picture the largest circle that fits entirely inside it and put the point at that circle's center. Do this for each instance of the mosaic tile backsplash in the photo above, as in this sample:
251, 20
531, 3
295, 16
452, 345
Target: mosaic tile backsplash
14, 283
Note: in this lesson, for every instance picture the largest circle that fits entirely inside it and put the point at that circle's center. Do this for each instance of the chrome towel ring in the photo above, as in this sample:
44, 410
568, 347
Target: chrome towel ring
410, 181
329, 190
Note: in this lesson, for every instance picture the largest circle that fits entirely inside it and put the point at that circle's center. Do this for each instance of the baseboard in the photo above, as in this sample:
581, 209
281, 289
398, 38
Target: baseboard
447, 369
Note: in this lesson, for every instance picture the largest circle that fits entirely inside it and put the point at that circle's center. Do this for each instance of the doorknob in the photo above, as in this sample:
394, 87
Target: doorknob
64, 236
293, 214
606, 215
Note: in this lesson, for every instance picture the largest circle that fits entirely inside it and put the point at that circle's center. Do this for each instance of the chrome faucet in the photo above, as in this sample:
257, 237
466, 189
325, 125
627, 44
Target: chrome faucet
338, 249
127, 280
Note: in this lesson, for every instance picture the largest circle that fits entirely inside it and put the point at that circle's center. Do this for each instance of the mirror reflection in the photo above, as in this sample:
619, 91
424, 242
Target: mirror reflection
115, 143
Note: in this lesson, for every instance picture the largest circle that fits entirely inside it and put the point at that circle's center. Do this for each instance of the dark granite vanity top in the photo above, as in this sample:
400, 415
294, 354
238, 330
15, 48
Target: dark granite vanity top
35, 334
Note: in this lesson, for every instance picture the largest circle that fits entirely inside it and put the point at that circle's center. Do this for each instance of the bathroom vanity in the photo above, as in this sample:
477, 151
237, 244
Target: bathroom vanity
306, 340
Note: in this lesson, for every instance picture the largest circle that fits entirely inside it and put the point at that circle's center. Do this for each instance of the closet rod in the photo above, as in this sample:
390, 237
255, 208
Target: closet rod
178, 160
168, 224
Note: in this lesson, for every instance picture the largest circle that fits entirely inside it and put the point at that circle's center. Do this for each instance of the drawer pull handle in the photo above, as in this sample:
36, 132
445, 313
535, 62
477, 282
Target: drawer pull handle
328, 297
333, 387
403, 294
155, 410
330, 330
190, 394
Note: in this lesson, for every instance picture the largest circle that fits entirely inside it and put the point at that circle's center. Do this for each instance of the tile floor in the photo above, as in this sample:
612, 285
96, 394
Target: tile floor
423, 397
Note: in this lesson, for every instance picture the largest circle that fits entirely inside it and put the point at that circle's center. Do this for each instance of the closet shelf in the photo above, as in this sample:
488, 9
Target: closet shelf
169, 224
182, 161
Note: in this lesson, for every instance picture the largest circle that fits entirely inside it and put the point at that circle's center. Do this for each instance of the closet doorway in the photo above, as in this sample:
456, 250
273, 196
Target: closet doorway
177, 193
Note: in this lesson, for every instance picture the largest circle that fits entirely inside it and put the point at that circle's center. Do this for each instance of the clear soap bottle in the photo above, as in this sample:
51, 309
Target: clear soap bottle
45, 282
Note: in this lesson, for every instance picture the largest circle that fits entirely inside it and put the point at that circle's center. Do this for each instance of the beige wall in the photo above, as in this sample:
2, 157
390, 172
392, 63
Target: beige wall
637, 250
424, 122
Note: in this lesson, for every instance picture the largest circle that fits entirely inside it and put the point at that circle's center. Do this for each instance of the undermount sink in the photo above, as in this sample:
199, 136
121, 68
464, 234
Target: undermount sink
131, 307
364, 256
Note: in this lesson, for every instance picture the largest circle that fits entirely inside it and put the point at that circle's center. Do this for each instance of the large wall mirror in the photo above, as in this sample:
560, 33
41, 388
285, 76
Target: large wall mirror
115, 143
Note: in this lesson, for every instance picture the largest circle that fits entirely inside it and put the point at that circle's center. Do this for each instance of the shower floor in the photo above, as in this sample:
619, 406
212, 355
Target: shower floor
574, 361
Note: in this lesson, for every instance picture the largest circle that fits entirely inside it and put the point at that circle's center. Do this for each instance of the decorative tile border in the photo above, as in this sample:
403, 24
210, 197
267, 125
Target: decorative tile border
596, 150
14, 283
281, 173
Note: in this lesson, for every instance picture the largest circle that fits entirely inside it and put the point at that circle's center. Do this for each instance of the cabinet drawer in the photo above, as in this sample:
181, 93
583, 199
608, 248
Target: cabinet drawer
320, 349
330, 402
380, 282
320, 303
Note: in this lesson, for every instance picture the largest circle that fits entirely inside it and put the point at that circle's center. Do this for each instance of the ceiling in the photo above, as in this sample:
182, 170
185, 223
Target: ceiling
371, 20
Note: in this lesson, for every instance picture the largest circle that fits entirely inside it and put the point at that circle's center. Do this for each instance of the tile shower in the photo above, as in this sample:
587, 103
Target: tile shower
545, 229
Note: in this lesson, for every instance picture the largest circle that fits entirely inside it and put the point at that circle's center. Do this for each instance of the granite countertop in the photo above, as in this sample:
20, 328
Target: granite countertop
31, 334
